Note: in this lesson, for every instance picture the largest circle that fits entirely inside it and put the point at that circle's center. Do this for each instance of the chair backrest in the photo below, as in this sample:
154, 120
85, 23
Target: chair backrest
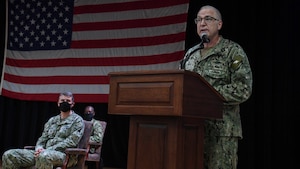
104, 124
84, 141
98, 148
96, 157
81, 151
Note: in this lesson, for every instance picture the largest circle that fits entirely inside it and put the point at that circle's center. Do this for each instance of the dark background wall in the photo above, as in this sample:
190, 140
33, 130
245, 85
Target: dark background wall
267, 30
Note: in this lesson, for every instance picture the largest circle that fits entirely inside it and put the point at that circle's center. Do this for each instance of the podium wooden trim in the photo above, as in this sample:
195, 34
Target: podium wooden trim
167, 109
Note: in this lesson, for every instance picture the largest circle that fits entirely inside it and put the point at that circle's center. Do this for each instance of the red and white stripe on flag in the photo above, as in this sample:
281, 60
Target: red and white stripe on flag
57, 46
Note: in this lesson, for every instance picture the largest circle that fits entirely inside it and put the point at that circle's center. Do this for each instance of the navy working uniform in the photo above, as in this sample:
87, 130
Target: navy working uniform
226, 67
58, 134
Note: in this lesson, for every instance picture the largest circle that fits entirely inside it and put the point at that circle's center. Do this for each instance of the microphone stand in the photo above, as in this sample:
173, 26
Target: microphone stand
201, 45
183, 61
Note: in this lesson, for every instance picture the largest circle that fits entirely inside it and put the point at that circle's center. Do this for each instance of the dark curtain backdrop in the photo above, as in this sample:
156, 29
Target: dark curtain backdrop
267, 30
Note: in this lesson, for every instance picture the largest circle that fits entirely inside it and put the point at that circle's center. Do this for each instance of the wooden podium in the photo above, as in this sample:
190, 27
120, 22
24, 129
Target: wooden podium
167, 109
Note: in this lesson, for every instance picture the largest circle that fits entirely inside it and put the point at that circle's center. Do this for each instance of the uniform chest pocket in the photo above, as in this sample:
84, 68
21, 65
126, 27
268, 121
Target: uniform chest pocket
59, 130
52, 131
216, 69
64, 130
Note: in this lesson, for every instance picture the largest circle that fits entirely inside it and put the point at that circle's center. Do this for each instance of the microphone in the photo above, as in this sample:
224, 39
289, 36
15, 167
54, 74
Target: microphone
204, 38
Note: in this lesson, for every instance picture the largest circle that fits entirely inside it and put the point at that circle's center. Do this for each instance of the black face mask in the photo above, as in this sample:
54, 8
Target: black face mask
88, 117
64, 106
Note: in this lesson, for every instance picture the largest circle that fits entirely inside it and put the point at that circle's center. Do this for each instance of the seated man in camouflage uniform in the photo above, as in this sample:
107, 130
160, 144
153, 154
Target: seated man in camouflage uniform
60, 132
97, 132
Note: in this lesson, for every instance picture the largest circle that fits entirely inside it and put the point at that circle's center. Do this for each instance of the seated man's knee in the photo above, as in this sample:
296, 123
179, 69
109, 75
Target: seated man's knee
12, 153
49, 157
6, 155
17, 157
43, 156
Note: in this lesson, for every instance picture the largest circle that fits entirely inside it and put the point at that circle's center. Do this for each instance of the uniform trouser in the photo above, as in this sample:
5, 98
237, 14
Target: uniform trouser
17, 158
220, 152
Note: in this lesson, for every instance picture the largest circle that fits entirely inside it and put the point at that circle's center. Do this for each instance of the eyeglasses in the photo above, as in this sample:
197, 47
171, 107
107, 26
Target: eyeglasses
207, 19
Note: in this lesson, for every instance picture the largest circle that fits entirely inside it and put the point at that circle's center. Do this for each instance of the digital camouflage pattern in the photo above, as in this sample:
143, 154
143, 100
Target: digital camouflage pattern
56, 137
97, 133
226, 67
214, 155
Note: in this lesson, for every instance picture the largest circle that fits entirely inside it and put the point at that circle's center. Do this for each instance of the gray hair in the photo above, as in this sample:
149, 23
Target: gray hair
218, 13
68, 94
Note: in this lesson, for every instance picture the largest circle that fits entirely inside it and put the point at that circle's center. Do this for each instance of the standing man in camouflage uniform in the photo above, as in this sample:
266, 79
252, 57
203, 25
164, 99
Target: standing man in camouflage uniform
224, 64
60, 132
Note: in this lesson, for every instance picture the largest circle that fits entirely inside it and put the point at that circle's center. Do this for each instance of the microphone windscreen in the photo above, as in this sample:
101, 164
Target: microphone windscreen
204, 37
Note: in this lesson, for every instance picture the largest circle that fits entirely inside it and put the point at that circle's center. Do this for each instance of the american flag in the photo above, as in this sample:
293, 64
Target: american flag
66, 45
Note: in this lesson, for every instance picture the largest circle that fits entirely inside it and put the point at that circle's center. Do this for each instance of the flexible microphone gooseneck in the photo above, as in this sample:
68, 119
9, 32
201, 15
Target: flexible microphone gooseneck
203, 39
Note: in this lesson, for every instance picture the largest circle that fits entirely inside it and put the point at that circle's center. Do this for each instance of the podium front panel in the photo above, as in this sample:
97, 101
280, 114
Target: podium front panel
146, 95
163, 93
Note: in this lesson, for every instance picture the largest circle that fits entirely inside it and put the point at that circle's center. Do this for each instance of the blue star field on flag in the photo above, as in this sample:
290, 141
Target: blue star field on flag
40, 25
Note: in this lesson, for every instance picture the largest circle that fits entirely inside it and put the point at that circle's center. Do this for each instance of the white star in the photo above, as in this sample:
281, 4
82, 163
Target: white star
17, 17
48, 26
59, 26
55, 8
42, 44
66, 20
59, 38
49, 15
21, 34
54, 20
26, 39
43, 32
65, 43
28, 5
26, 27
49, 3
53, 43
32, 21
48, 38
53, 32
60, 14
66, 31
